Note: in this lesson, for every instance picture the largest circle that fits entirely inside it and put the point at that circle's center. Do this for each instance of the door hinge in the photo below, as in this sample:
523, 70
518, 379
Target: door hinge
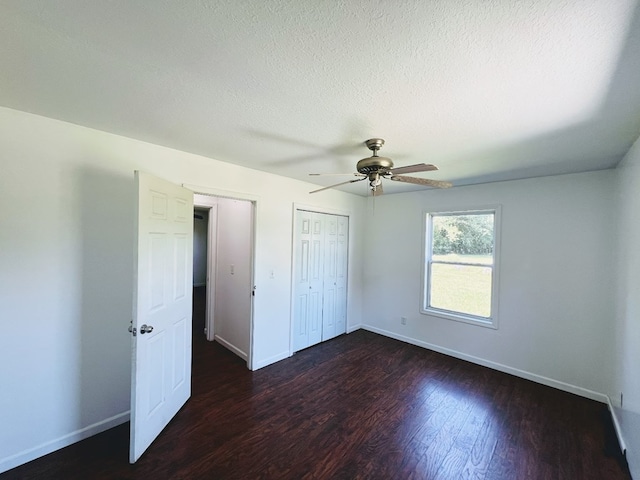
131, 329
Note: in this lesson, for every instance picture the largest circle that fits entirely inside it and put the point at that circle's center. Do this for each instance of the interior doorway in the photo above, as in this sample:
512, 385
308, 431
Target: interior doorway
223, 272
200, 264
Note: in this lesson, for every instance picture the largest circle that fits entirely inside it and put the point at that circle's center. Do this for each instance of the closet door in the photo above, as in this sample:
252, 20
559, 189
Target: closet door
308, 261
336, 246
342, 262
320, 279
330, 295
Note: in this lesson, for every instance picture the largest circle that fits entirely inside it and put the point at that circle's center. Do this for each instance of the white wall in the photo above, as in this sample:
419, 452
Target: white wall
555, 295
627, 319
66, 251
200, 248
232, 313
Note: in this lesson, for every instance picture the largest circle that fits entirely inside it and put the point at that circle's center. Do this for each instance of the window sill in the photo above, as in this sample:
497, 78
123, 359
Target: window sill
461, 317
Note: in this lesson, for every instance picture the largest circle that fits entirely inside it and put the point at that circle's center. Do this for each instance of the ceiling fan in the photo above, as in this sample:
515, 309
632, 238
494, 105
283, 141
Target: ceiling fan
375, 168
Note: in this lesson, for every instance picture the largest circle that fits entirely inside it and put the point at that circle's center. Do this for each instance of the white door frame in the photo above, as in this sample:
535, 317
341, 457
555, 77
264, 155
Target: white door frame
254, 199
315, 209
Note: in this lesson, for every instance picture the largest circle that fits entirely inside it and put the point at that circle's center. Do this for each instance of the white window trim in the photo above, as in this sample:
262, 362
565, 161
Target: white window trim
491, 322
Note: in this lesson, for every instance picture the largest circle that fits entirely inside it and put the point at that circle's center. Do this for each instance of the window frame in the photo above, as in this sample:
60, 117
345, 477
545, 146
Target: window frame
427, 233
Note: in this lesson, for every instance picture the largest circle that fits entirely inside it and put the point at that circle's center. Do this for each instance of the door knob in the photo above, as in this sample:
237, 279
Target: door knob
146, 329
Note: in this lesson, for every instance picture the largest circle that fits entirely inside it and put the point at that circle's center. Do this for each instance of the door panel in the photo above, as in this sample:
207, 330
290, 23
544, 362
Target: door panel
329, 313
342, 262
315, 317
330, 258
304, 260
316, 281
302, 286
161, 367
308, 281
180, 341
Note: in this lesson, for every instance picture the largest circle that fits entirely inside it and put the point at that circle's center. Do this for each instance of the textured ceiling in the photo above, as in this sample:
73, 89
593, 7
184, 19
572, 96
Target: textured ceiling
486, 90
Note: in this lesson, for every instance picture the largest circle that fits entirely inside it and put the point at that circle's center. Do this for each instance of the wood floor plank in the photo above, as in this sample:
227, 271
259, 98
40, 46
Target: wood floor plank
359, 406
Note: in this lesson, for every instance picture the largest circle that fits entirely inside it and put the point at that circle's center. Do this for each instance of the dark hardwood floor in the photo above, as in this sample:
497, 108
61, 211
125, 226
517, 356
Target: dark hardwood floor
360, 406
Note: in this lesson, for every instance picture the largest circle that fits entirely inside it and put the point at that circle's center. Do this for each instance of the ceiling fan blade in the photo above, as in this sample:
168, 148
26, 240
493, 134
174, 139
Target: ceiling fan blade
422, 181
338, 184
418, 167
329, 174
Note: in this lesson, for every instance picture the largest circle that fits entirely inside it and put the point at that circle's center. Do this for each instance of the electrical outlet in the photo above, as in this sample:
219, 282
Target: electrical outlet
403, 320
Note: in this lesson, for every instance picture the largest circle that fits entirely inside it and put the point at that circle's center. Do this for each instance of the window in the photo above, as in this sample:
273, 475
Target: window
460, 276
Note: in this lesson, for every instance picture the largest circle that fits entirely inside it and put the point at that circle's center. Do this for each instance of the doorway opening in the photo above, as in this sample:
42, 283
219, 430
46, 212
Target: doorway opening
200, 264
223, 273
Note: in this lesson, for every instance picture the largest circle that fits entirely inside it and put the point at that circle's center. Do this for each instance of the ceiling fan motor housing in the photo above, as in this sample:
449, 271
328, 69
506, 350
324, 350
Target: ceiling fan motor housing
373, 164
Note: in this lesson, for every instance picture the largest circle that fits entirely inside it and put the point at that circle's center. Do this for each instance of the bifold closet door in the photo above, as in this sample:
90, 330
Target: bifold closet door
320, 258
334, 310
309, 270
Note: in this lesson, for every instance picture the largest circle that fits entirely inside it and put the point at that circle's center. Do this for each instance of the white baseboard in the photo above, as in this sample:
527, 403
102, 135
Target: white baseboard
231, 346
353, 328
48, 447
270, 360
550, 382
616, 426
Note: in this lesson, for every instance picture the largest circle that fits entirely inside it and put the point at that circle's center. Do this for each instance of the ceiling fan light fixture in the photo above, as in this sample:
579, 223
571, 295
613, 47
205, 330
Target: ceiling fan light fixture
374, 180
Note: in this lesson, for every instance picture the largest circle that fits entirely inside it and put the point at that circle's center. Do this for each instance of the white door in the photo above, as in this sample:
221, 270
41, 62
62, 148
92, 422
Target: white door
307, 328
336, 245
161, 367
342, 262
316, 283
330, 293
